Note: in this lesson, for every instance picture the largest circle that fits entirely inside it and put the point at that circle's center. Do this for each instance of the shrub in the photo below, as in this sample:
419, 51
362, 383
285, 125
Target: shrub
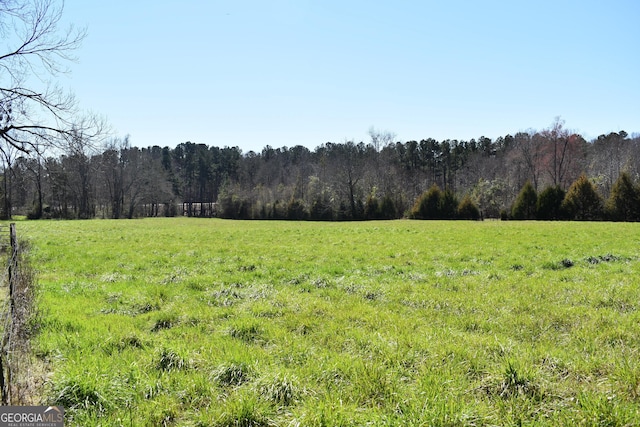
372, 207
232, 206
296, 210
582, 202
428, 204
448, 205
624, 202
277, 211
467, 209
388, 208
321, 209
550, 203
34, 214
435, 204
490, 197
525, 205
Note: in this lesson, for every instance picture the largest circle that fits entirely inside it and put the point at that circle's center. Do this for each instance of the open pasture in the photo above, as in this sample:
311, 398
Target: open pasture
176, 321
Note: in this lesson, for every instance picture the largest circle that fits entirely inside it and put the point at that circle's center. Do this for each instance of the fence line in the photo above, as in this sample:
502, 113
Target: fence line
10, 321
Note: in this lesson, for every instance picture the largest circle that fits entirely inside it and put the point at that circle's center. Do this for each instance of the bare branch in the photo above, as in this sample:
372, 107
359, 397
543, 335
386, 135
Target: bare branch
38, 40
34, 110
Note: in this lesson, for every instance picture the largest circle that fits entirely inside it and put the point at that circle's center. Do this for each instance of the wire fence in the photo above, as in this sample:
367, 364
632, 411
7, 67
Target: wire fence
15, 309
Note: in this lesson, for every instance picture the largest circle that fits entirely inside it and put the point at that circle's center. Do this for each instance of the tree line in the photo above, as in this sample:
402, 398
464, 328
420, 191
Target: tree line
530, 175
50, 166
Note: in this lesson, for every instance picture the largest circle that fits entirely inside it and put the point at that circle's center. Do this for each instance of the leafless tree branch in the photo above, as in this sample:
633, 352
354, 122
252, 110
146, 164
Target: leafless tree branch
34, 110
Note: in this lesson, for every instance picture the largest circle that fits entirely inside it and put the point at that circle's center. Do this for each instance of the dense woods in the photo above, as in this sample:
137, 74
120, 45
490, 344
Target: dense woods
547, 174
51, 165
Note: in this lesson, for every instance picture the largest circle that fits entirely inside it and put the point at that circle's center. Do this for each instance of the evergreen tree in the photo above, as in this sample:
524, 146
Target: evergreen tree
296, 210
321, 209
550, 203
388, 208
467, 209
372, 207
525, 206
582, 202
624, 202
428, 204
435, 204
448, 205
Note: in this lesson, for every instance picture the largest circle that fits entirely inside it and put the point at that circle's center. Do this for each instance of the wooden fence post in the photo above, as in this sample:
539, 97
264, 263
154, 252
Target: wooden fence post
3, 385
13, 264
5, 369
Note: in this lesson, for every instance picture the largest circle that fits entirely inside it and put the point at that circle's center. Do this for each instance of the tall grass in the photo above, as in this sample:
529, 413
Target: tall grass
210, 322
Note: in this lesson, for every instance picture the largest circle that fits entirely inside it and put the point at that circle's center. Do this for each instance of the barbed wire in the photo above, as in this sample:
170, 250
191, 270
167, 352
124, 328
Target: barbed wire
14, 311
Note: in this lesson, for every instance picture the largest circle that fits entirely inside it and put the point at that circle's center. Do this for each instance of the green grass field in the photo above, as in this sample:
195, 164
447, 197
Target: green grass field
200, 322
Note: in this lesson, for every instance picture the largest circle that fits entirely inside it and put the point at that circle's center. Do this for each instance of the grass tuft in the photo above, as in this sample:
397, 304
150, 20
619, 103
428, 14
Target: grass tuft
77, 394
125, 343
559, 265
512, 384
282, 390
232, 374
225, 297
247, 332
169, 360
244, 411
165, 321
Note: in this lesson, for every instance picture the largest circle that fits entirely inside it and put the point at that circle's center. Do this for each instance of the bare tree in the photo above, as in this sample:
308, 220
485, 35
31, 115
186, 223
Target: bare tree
610, 156
347, 159
564, 153
156, 188
7, 158
380, 139
530, 147
33, 108
35, 167
81, 175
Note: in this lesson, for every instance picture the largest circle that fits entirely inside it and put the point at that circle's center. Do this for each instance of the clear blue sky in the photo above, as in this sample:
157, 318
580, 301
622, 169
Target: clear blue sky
288, 72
